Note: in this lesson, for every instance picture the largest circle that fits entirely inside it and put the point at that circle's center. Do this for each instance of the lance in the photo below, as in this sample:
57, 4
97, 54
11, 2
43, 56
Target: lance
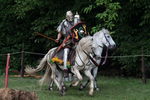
45, 36
67, 38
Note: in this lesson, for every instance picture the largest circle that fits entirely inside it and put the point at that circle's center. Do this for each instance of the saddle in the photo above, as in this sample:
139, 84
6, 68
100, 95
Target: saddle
58, 57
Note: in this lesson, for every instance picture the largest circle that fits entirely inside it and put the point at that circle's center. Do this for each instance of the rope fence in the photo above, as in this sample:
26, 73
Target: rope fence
42, 54
142, 55
25, 52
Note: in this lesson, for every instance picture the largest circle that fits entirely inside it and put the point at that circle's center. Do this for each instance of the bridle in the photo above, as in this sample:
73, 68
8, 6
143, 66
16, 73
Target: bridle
106, 38
94, 55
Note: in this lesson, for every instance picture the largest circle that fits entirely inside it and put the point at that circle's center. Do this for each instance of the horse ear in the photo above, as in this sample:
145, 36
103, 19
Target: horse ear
103, 29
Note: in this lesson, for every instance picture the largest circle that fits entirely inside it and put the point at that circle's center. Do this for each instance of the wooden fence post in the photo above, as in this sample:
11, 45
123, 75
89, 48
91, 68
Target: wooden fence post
143, 67
7, 70
22, 62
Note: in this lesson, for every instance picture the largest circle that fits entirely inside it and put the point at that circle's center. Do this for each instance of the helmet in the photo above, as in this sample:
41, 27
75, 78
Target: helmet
69, 16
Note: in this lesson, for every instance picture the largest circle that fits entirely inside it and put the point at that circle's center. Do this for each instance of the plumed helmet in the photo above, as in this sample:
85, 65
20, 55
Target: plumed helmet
69, 16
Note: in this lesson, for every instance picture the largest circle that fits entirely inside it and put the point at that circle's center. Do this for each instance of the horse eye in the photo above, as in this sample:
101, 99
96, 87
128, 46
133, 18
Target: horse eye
108, 36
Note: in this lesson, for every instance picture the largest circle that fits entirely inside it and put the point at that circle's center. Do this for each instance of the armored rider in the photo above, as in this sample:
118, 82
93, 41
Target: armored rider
63, 31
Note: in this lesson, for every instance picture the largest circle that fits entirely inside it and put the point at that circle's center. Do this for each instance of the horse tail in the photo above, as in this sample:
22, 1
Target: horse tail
48, 75
46, 78
42, 64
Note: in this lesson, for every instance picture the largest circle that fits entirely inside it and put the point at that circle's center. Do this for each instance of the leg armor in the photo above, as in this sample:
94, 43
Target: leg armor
65, 58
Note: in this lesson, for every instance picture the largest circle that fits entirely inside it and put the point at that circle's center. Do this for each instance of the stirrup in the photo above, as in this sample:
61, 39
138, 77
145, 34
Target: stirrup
66, 74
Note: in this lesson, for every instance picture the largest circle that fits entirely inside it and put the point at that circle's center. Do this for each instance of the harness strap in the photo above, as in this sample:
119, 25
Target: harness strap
91, 58
80, 59
106, 56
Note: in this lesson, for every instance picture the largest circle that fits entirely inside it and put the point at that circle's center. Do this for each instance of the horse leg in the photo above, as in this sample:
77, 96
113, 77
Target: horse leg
50, 88
57, 82
52, 82
83, 85
61, 80
62, 92
75, 83
95, 70
89, 75
78, 75
94, 73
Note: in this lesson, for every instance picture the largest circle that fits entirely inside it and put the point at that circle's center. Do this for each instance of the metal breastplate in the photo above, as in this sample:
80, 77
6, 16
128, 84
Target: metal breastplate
66, 28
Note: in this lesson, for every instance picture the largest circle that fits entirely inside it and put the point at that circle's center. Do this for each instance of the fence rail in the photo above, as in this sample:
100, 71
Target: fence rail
120, 56
142, 55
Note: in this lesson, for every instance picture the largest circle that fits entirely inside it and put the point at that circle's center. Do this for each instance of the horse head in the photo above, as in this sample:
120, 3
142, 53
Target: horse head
103, 38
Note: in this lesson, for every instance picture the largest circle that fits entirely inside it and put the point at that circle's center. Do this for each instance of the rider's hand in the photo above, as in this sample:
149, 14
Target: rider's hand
56, 40
63, 45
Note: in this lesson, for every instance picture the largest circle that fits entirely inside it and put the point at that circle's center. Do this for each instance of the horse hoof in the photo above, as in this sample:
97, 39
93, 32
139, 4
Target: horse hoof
70, 85
62, 92
97, 89
50, 89
64, 88
91, 94
81, 88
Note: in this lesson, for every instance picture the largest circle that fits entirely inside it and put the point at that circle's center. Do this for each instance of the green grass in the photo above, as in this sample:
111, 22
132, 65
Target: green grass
110, 89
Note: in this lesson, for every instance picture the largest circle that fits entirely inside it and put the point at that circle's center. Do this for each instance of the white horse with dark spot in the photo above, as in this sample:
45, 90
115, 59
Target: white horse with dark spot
85, 50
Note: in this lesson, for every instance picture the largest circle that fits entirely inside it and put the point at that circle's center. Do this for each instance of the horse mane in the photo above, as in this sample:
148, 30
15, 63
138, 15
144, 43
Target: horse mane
105, 30
84, 44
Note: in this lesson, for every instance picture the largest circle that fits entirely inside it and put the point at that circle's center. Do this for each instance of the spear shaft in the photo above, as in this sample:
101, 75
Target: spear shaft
45, 36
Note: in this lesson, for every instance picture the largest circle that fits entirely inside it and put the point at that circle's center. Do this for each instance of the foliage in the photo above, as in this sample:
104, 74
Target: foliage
132, 36
107, 14
129, 20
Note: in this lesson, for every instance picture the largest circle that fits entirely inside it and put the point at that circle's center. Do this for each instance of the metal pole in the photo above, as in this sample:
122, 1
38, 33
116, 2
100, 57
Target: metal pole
7, 69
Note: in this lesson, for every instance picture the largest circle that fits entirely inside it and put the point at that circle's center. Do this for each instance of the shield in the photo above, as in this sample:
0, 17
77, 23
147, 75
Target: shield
79, 31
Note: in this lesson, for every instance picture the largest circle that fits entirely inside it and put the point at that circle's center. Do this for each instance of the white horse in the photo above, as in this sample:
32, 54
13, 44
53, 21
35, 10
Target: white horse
86, 49
98, 59
97, 56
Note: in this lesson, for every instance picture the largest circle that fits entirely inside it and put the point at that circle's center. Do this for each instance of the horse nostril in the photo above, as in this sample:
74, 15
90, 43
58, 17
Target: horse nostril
114, 46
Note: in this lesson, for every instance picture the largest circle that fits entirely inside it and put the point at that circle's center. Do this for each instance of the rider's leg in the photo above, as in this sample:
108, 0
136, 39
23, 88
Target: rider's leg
65, 58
